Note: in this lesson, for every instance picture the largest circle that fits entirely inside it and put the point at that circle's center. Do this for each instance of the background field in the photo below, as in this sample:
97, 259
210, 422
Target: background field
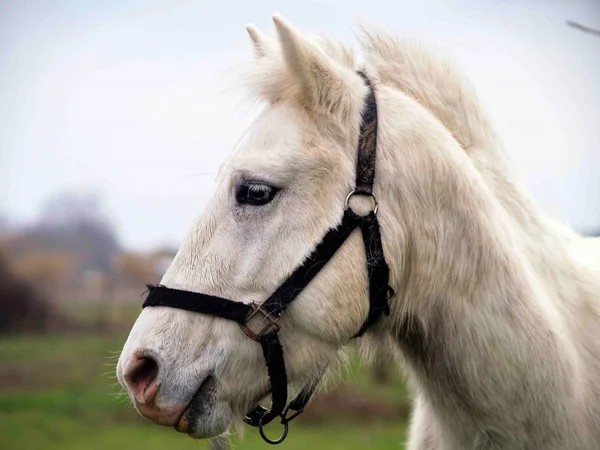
57, 392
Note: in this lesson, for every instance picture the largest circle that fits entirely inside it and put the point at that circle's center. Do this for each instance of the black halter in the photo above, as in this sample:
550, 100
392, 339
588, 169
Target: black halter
260, 322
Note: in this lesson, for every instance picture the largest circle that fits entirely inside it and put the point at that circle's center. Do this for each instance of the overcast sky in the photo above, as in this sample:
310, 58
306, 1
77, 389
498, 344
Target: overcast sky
126, 98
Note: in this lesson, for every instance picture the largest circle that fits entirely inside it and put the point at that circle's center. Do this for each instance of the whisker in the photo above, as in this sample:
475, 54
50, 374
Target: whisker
110, 374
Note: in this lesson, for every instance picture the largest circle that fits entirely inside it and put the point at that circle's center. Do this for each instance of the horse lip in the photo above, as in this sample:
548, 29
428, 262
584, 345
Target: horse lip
186, 420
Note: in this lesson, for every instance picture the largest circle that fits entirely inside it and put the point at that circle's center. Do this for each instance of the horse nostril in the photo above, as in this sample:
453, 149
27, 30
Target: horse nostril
140, 377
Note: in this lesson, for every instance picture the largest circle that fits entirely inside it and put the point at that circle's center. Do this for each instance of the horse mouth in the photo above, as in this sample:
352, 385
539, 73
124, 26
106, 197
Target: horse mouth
198, 406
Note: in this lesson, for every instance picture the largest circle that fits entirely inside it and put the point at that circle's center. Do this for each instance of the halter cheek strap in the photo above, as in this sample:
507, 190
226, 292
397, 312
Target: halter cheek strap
260, 322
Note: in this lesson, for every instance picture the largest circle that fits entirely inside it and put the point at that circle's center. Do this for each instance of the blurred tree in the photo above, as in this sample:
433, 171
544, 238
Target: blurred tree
136, 267
48, 268
3, 223
165, 252
22, 308
74, 224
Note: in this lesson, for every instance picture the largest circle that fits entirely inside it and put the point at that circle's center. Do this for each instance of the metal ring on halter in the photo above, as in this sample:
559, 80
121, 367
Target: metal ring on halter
374, 204
278, 440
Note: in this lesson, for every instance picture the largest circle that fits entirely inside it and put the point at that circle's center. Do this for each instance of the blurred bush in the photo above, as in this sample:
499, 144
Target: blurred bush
22, 306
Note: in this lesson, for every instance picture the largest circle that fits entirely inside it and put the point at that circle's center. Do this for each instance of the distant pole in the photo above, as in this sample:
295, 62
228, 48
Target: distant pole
583, 28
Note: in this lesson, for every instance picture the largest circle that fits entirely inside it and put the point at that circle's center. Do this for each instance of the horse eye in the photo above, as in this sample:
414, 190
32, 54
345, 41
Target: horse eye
253, 193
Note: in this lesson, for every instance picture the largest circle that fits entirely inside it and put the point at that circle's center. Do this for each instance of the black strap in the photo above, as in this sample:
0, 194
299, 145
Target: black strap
377, 268
197, 302
273, 353
367, 143
303, 275
293, 409
378, 272
301, 400
379, 294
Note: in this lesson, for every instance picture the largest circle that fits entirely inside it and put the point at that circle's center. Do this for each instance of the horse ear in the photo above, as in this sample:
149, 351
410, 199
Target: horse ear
259, 41
320, 79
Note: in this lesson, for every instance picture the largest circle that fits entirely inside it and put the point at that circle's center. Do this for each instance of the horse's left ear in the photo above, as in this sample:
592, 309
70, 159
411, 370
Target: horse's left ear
323, 84
260, 42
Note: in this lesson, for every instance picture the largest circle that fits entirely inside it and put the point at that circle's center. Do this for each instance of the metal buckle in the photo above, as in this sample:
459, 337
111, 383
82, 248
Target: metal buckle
284, 421
263, 328
374, 204
280, 439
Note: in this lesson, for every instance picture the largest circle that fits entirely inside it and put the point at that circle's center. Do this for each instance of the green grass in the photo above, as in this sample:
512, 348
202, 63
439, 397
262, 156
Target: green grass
37, 430
55, 393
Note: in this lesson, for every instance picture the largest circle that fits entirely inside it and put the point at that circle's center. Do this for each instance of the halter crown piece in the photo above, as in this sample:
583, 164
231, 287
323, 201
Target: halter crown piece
260, 322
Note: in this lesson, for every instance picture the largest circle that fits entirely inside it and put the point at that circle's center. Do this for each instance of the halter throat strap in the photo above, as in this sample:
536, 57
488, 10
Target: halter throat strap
260, 322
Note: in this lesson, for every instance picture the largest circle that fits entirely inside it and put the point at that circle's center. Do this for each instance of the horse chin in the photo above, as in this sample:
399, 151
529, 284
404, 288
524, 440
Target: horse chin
205, 417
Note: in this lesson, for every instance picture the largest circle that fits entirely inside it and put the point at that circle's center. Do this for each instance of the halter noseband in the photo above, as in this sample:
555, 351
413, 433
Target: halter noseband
260, 322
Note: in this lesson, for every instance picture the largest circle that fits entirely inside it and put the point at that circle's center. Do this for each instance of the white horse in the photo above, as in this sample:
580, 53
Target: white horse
497, 312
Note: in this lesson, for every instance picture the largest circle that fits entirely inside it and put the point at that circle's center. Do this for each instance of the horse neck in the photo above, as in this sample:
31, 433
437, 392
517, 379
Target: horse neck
456, 242
547, 244
566, 263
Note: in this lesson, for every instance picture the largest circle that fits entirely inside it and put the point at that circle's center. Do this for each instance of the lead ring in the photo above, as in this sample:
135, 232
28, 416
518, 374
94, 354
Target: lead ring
375, 205
276, 441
